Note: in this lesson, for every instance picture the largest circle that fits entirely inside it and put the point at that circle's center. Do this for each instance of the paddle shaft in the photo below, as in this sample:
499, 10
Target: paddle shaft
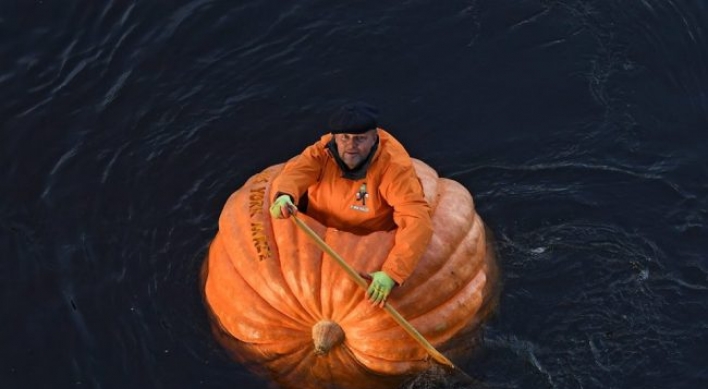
361, 282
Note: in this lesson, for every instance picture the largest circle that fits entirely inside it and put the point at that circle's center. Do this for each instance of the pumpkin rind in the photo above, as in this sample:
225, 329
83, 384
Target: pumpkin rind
267, 286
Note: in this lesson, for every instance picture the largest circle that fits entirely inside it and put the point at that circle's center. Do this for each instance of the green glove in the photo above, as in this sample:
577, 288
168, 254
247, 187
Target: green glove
282, 206
380, 288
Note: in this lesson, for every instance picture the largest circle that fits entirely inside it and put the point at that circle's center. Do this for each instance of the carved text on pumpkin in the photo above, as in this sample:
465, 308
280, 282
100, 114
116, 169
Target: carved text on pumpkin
255, 209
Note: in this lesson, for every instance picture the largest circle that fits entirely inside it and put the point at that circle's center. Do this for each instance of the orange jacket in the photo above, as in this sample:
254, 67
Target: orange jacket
389, 197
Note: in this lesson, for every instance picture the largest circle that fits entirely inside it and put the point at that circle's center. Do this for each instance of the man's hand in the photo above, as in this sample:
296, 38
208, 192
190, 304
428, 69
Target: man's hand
380, 288
282, 207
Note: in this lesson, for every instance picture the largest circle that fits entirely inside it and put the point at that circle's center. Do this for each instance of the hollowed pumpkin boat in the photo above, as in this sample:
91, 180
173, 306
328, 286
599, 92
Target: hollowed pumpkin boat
280, 306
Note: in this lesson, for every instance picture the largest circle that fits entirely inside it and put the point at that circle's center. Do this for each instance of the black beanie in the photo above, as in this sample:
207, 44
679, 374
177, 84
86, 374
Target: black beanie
353, 118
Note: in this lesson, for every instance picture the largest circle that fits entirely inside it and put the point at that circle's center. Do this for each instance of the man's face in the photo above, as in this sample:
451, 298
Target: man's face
354, 148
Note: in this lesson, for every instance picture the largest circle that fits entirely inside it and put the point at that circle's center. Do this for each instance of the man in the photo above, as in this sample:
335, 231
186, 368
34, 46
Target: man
360, 179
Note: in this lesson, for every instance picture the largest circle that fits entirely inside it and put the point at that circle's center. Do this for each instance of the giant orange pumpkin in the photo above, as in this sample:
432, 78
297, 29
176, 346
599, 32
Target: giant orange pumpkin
285, 309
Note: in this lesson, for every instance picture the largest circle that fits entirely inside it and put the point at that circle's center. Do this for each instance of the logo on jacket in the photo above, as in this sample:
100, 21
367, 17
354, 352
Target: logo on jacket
361, 196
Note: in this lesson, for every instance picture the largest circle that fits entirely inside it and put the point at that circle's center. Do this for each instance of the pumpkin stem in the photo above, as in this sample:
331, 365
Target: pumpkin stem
326, 334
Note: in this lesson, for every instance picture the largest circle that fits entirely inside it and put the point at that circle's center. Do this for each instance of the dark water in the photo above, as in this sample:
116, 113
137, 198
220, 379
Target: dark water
581, 127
